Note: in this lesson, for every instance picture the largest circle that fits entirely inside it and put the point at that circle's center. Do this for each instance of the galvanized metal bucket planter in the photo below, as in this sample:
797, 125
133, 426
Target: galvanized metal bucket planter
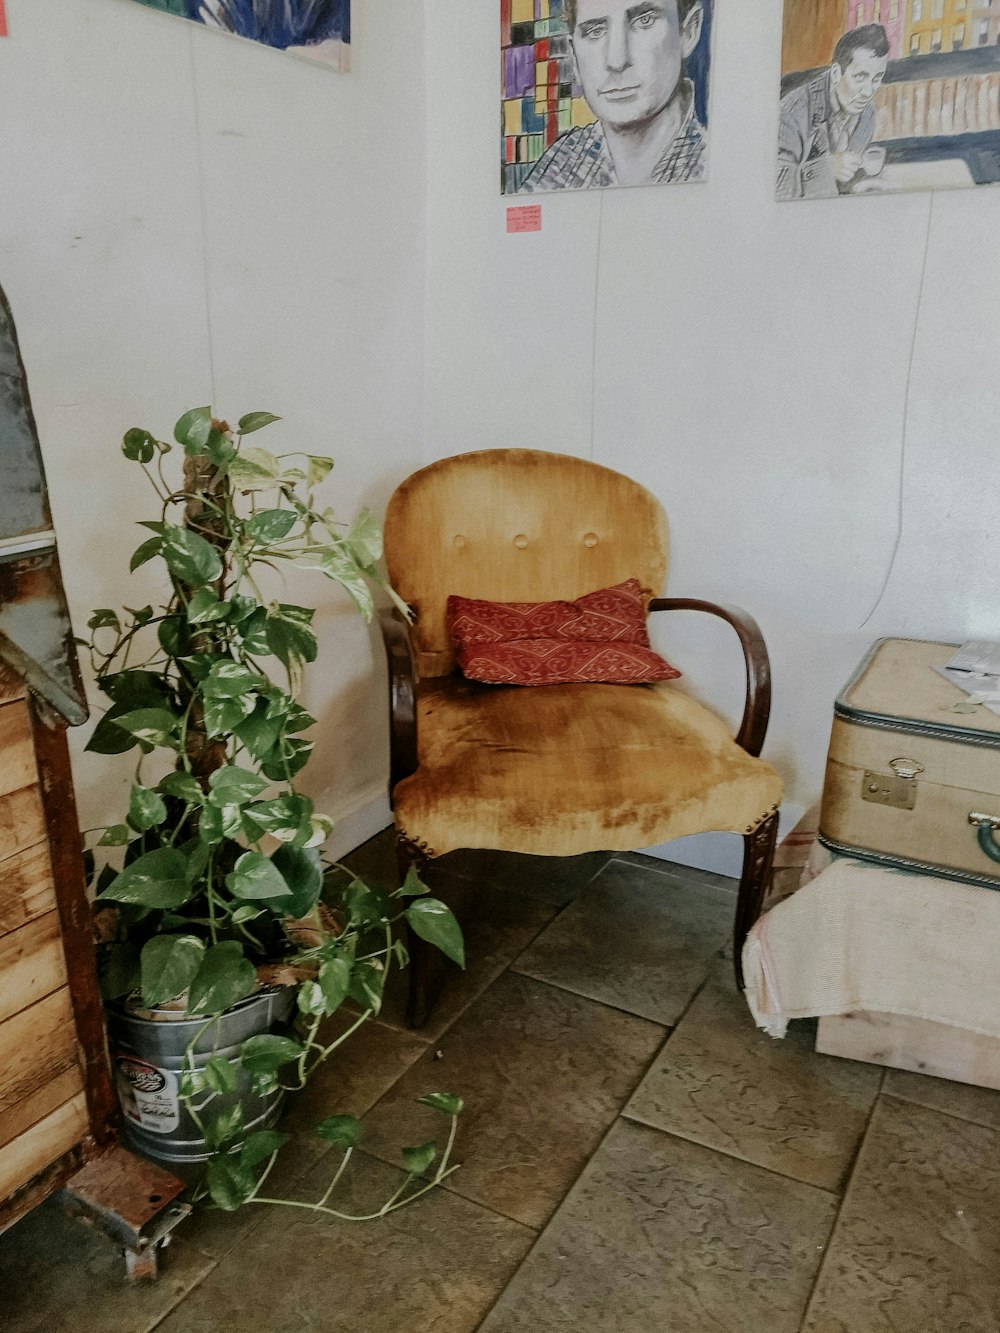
148, 1055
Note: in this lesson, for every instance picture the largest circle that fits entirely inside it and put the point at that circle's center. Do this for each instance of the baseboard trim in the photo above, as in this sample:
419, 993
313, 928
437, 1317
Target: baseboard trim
356, 821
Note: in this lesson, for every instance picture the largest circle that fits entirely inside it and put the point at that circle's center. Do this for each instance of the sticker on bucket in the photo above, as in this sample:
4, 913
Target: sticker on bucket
148, 1094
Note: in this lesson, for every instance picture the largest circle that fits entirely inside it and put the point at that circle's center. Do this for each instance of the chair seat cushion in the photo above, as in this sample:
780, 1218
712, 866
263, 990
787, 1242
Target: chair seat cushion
574, 768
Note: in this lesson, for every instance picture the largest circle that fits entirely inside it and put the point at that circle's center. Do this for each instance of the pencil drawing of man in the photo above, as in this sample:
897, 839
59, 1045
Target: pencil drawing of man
828, 122
630, 60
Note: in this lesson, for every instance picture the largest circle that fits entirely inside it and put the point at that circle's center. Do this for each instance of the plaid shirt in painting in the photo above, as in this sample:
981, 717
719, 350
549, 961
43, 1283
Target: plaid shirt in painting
580, 159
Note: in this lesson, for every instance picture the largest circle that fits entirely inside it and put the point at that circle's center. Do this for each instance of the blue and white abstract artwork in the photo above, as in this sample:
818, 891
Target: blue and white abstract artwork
319, 30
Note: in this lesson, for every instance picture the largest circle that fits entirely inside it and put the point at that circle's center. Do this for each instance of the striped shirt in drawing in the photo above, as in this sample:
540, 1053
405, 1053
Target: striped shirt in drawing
580, 159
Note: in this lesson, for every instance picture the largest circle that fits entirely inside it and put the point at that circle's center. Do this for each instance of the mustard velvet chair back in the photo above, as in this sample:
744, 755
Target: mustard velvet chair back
516, 525
554, 770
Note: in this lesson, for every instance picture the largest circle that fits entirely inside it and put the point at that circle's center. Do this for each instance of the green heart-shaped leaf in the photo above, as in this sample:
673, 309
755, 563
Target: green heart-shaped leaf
157, 879
334, 981
419, 1159
138, 445
343, 1130
443, 1101
168, 966
268, 1052
145, 808
232, 785
271, 525
193, 429
256, 421
256, 876
434, 922
261, 1145
189, 556
224, 978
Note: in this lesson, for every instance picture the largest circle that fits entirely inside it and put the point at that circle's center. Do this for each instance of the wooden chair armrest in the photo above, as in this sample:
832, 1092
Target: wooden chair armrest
402, 697
757, 708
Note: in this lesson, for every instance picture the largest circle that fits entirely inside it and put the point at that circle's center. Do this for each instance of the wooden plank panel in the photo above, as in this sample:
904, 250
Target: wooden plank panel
32, 964
39, 1064
22, 821
41, 1145
40, 1104
917, 1044
42, 1185
11, 685
27, 890
56, 781
17, 751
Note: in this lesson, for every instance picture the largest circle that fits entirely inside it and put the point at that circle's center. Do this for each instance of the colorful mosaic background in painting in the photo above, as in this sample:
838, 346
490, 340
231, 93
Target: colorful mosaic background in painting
541, 99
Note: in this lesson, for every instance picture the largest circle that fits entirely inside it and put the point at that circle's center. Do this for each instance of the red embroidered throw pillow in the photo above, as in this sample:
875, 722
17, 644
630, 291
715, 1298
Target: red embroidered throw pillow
598, 638
563, 662
610, 615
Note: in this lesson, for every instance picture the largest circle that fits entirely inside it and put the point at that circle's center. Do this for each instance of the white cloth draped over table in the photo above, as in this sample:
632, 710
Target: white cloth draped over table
860, 937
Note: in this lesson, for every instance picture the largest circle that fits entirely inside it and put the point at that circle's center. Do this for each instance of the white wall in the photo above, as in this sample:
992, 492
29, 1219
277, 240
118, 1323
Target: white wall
191, 218
749, 362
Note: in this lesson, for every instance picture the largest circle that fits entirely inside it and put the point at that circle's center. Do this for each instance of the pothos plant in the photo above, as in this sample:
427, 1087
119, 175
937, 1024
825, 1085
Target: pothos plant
215, 884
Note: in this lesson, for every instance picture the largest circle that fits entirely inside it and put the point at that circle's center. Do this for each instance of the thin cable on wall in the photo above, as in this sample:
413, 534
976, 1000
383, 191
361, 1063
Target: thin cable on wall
203, 193
906, 419
593, 346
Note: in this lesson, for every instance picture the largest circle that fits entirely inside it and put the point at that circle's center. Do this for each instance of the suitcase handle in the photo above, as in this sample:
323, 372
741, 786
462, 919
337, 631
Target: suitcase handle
986, 827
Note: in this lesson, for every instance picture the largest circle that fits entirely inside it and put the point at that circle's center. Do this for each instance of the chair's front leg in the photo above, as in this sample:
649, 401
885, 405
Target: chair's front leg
427, 965
757, 709
758, 859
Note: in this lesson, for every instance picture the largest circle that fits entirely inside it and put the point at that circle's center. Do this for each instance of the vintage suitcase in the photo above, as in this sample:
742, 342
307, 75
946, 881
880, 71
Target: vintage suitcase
910, 782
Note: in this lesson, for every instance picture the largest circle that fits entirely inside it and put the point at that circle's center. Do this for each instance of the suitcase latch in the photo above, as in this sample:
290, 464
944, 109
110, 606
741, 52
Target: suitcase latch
900, 793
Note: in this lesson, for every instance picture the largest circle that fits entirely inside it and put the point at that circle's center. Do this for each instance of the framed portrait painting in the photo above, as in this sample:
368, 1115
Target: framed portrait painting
598, 93
879, 96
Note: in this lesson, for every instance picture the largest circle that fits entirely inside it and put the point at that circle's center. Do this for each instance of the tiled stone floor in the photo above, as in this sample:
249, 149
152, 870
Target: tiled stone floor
637, 1157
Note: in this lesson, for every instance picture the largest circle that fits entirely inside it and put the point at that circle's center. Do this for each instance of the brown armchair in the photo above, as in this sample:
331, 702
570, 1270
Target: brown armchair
560, 769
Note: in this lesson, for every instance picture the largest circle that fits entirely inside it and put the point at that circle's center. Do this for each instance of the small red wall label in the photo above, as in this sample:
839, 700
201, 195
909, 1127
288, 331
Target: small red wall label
528, 218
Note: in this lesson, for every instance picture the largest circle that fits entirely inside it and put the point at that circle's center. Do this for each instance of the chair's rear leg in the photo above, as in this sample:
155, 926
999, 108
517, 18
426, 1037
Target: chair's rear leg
427, 970
758, 859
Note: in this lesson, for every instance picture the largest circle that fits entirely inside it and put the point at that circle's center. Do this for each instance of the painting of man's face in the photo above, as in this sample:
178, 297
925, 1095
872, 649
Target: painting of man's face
603, 93
856, 85
628, 57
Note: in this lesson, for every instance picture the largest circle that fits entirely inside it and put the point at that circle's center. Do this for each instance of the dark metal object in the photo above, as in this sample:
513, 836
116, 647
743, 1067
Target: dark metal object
36, 637
402, 698
986, 828
757, 709
131, 1200
149, 1055
758, 860
888, 789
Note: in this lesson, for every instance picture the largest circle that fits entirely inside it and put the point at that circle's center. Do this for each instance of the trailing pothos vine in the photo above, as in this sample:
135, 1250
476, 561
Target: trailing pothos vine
214, 884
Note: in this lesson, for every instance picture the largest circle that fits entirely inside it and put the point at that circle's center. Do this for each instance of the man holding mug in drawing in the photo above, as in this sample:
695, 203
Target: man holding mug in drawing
827, 123
629, 58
